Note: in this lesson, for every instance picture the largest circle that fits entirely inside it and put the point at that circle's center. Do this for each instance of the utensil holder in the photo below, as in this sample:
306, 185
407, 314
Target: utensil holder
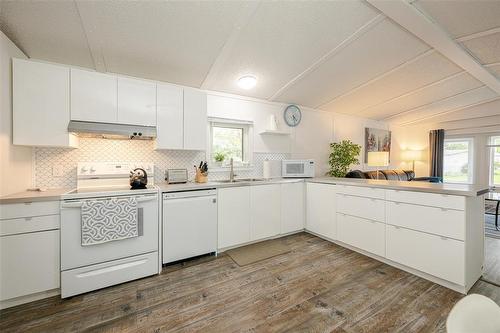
201, 177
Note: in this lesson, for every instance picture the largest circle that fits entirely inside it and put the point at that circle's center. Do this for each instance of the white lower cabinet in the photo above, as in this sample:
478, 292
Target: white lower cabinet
292, 207
265, 201
435, 255
29, 263
233, 216
368, 208
320, 209
364, 234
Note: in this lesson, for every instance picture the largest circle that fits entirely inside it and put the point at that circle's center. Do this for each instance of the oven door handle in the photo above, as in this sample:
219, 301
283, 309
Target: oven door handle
78, 204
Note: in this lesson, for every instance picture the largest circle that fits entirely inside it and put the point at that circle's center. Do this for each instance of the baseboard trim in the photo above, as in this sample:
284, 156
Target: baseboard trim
8, 303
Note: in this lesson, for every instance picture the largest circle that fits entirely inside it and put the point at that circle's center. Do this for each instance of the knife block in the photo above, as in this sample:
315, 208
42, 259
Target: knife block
201, 177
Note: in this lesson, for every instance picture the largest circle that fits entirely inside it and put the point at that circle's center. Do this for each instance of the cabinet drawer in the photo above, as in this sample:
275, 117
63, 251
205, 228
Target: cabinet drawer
81, 280
361, 233
28, 224
368, 208
12, 211
362, 191
438, 256
427, 199
439, 221
29, 263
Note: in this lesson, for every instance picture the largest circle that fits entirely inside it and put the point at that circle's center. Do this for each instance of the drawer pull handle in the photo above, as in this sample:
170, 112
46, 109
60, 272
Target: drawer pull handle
28, 218
444, 238
28, 203
444, 209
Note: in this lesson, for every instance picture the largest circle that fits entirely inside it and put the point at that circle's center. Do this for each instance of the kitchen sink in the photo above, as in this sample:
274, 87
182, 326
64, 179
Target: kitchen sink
241, 180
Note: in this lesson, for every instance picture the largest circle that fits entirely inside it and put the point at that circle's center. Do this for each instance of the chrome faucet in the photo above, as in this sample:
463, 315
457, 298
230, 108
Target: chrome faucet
231, 170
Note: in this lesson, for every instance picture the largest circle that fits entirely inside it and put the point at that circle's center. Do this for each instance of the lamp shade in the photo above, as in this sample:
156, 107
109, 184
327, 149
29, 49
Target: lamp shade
378, 158
411, 155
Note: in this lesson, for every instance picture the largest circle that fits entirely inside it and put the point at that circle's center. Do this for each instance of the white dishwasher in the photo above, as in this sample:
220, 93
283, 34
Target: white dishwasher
189, 224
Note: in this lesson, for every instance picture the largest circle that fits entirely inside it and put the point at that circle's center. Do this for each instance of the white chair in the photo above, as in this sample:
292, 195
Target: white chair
474, 313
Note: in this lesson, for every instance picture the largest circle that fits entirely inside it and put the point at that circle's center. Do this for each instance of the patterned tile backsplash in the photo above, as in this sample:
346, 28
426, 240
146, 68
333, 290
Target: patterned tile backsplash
103, 150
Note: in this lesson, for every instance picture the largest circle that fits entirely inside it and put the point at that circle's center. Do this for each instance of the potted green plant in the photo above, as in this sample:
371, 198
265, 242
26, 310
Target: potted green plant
342, 155
219, 158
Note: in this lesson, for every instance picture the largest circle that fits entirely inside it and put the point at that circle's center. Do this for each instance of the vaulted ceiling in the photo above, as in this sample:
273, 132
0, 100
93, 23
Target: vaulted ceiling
403, 62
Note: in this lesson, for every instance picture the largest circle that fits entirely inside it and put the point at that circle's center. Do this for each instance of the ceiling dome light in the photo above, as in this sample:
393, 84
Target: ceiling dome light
247, 82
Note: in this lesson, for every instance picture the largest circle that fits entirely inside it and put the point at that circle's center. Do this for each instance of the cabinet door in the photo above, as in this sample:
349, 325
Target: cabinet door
29, 263
41, 104
233, 216
265, 205
136, 102
292, 207
170, 117
93, 96
365, 234
195, 119
320, 210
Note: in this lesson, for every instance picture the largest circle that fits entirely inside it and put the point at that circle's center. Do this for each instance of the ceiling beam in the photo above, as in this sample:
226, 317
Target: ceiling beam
410, 18
354, 36
225, 52
90, 28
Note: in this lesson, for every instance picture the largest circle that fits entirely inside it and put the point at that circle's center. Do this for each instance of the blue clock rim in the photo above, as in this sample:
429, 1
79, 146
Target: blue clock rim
284, 115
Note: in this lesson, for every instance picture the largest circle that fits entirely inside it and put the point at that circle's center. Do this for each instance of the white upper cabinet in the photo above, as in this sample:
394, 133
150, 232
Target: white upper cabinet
181, 118
93, 96
170, 117
195, 119
41, 102
136, 102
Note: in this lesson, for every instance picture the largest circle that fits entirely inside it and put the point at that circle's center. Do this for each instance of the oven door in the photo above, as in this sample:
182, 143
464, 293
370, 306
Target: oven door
74, 255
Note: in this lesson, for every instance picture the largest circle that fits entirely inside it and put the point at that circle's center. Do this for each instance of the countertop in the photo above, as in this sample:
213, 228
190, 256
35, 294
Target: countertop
450, 189
33, 196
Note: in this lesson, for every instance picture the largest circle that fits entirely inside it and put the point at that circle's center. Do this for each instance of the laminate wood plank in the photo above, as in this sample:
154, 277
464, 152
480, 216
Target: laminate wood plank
317, 287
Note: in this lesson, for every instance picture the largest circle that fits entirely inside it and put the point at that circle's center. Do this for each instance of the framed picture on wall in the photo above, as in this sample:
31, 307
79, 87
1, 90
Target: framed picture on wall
377, 140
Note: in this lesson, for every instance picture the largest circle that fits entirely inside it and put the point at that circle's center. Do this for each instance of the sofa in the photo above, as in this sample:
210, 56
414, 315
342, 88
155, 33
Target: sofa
401, 175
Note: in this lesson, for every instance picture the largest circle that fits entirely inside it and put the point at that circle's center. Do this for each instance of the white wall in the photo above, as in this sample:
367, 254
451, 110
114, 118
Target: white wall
309, 140
15, 161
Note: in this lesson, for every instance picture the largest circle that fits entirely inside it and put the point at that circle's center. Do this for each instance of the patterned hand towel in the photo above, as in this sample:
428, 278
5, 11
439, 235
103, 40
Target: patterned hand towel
109, 220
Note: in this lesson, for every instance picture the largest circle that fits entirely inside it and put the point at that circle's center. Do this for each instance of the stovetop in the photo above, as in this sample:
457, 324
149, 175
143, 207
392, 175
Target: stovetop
99, 192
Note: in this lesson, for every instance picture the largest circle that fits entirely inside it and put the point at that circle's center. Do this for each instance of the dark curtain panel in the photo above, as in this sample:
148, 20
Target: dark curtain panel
436, 148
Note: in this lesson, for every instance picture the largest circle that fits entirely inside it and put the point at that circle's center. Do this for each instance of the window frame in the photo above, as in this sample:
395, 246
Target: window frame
470, 156
247, 152
491, 161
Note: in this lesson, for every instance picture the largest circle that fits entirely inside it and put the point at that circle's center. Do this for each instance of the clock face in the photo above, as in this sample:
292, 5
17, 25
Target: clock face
292, 115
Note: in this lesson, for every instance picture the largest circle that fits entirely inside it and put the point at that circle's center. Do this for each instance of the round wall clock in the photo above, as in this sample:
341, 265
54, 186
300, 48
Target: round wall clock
292, 115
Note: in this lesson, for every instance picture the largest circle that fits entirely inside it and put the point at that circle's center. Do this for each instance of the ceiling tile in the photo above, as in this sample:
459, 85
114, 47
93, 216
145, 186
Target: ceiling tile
424, 96
462, 100
486, 49
282, 39
381, 49
478, 111
462, 18
169, 41
416, 74
46, 30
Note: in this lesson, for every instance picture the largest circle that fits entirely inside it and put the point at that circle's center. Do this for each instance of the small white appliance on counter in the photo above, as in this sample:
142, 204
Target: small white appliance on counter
108, 259
189, 224
297, 168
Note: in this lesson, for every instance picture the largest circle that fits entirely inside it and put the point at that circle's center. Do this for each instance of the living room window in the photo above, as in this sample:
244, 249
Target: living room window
495, 161
458, 161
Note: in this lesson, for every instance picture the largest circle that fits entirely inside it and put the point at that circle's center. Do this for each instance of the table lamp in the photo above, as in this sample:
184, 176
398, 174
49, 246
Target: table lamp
378, 159
412, 155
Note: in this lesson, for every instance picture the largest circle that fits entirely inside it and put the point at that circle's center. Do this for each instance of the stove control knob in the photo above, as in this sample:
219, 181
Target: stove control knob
92, 170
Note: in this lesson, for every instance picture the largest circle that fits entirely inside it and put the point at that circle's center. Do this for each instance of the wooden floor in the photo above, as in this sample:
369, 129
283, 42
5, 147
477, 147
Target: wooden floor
318, 287
492, 260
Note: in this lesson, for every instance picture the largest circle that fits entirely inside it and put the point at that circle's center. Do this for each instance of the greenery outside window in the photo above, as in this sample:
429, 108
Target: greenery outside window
495, 161
228, 140
458, 161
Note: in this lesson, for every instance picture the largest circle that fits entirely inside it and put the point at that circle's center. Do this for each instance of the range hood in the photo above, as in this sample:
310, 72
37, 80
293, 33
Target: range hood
111, 131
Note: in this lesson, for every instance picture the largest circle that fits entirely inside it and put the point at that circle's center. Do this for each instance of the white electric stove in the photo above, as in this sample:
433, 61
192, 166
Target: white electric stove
86, 268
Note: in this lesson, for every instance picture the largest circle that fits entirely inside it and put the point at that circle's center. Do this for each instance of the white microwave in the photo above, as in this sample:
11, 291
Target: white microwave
297, 168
